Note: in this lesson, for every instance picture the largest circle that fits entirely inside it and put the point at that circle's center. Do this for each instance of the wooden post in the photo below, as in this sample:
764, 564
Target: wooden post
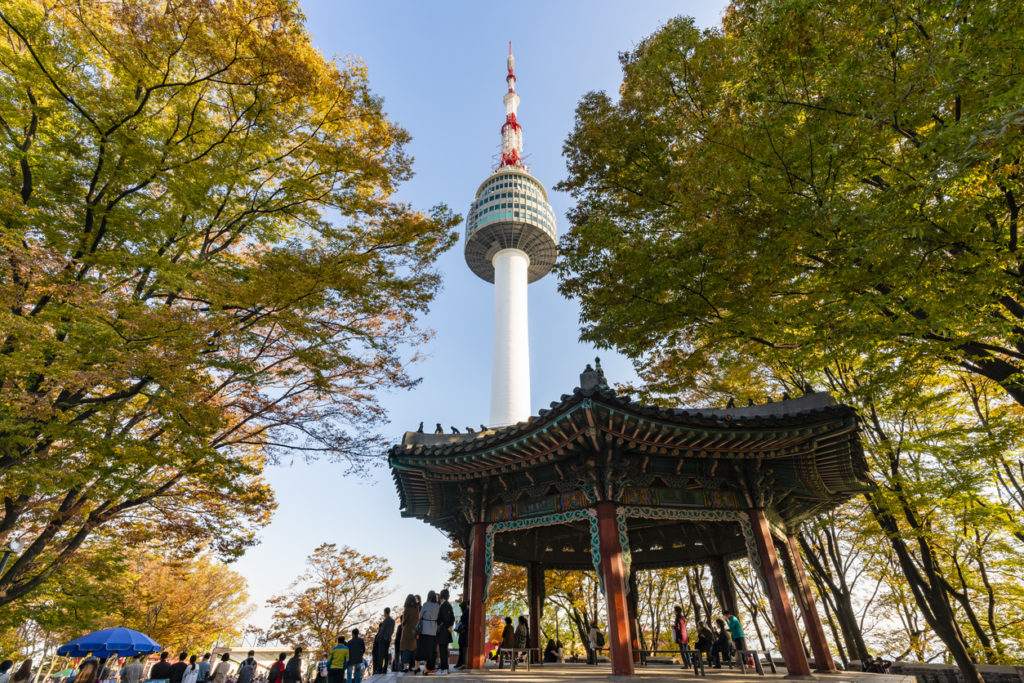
465, 570
634, 617
535, 596
726, 594
823, 661
475, 652
782, 611
613, 573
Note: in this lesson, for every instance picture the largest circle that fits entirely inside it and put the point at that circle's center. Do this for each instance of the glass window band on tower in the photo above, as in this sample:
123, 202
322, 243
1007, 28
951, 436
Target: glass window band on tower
511, 211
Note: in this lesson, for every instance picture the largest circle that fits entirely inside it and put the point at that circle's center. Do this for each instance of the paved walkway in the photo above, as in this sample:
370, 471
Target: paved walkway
655, 673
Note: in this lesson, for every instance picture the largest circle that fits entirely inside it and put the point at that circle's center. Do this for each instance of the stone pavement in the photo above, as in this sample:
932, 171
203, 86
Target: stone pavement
655, 673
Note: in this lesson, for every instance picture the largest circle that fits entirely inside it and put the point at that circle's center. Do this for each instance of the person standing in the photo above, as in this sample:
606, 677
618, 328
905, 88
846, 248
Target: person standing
396, 663
191, 674
522, 640
5, 670
321, 668
178, 668
445, 622
508, 641
161, 670
132, 672
463, 630
220, 673
247, 669
382, 643
410, 617
681, 637
592, 638
356, 652
736, 633
293, 669
426, 644
339, 662
204, 668
277, 669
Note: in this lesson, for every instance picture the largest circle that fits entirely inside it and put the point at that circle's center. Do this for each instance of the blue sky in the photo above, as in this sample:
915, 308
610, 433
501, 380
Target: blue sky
440, 67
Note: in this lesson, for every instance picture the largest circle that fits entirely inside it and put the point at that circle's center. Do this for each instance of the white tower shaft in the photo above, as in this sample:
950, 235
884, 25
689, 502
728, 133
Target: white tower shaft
510, 372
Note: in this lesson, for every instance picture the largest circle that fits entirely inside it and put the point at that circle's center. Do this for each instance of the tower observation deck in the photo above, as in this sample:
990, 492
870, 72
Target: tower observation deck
511, 240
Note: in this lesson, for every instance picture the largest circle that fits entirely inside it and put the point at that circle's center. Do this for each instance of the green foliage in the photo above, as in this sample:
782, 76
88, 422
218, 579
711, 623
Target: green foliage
202, 268
810, 179
182, 603
830, 196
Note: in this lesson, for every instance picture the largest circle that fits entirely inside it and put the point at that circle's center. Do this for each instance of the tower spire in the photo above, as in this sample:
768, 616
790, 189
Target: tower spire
511, 131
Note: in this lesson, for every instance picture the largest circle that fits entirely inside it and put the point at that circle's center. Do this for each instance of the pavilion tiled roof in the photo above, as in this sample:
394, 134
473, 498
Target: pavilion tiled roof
812, 440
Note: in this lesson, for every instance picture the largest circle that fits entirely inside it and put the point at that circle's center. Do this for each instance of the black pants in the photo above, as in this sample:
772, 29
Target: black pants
462, 651
442, 654
335, 676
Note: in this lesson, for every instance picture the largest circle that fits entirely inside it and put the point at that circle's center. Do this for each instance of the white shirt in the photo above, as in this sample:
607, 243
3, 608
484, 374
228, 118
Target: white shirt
191, 674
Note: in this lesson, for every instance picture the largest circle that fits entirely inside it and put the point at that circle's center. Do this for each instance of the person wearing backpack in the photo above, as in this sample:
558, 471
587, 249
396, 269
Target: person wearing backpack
247, 669
276, 669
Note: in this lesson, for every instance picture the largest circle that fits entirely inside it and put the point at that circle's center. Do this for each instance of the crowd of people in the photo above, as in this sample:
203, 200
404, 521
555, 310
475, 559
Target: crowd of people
717, 645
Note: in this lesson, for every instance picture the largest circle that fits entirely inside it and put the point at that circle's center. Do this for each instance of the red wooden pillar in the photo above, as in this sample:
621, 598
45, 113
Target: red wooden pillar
726, 594
782, 611
613, 574
634, 617
535, 596
823, 661
475, 650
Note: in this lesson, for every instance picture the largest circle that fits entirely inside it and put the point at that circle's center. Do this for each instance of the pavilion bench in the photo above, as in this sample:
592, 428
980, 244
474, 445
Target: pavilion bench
513, 654
696, 660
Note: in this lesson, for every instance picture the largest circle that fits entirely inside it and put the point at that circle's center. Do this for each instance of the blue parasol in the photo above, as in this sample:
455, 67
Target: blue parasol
110, 642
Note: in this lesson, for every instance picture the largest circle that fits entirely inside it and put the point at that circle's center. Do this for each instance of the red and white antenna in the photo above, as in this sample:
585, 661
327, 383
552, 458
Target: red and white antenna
511, 131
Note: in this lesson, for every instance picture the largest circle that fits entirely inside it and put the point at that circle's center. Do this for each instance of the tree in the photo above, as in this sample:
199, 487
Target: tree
831, 194
330, 598
202, 268
186, 603
808, 176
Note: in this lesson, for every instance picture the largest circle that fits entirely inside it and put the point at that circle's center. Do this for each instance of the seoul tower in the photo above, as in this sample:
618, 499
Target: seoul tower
511, 240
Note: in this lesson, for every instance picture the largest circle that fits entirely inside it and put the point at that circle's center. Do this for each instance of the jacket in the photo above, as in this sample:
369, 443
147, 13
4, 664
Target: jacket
409, 618
276, 669
508, 636
339, 656
428, 618
522, 636
679, 631
445, 621
293, 670
220, 674
356, 650
161, 669
386, 630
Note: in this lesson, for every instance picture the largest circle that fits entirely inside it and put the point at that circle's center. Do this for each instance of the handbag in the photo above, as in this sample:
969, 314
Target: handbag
418, 628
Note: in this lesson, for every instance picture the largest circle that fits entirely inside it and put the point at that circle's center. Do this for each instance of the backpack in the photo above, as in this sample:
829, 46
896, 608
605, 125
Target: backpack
600, 639
248, 666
